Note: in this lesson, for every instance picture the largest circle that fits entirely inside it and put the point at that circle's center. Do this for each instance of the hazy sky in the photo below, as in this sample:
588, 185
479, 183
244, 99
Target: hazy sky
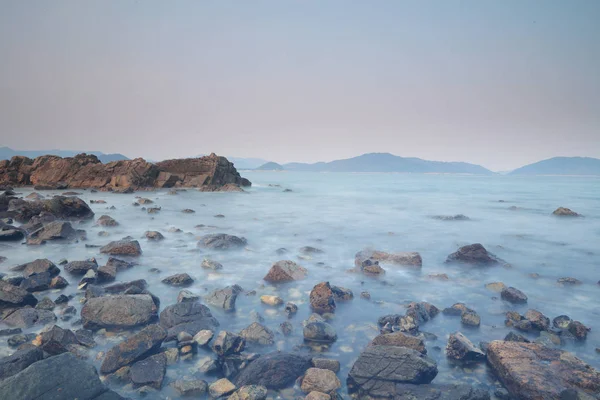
498, 83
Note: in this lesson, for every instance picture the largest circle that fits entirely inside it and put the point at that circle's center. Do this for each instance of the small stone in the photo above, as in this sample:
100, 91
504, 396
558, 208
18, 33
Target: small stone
513, 295
154, 235
221, 388
561, 322
271, 300
460, 348
495, 286
45, 304
578, 330
319, 332
291, 309
320, 380
568, 281
365, 295
250, 392
227, 343
190, 387
203, 337
106, 220
210, 264
470, 318
178, 280
286, 328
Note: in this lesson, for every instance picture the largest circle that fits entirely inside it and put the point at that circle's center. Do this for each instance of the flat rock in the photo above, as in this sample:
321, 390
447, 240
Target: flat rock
276, 370
221, 388
190, 387
122, 248
19, 360
118, 311
221, 241
285, 271
58, 340
400, 339
27, 317
149, 372
379, 368
530, 371
133, 348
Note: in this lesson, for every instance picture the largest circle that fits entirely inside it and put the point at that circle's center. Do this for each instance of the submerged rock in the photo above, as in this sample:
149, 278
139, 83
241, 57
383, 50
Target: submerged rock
257, 333
319, 331
513, 295
190, 387
13, 296
457, 217
474, 254
460, 348
56, 230
149, 372
106, 220
410, 259
532, 371
154, 235
178, 280
222, 241
81, 267
565, 212
224, 298
400, 339
322, 299
221, 388
276, 370
227, 343
285, 271
210, 264
122, 248
440, 392
190, 317
379, 368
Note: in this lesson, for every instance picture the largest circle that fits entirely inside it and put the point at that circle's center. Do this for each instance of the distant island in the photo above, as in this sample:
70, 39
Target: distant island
6, 153
561, 166
270, 166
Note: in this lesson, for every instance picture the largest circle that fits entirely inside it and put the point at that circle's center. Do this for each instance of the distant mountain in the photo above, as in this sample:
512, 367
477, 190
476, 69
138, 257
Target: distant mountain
561, 166
7, 153
386, 162
270, 166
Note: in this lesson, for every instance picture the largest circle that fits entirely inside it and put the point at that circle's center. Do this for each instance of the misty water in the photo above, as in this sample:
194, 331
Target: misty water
342, 214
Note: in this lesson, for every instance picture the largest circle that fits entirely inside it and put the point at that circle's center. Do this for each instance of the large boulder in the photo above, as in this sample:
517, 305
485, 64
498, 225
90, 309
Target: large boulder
409, 259
531, 371
474, 254
276, 370
285, 271
37, 267
221, 241
118, 311
61, 207
122, 248
19, 360
133, 348
14, 296
60, 377
379, 368
190, 317
57, 230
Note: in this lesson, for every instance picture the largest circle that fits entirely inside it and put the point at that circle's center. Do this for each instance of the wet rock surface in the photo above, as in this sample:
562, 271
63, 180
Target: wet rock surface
133, 348
274, 370
118, 311
285, 271
473, 254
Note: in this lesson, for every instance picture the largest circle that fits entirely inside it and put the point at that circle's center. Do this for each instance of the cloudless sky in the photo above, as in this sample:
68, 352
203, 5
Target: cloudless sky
497, 83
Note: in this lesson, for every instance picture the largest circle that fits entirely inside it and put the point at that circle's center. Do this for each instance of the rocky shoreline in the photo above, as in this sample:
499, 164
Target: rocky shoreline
54, 313
210, 173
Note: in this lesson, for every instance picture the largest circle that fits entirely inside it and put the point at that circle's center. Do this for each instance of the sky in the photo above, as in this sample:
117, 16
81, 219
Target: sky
496, 83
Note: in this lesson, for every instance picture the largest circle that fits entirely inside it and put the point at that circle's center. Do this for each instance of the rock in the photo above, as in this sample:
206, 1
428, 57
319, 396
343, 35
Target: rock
513, 295
210, 264
578, 330
106, 220
317, 396
190, 387
495, 286
250, 392
190, 317
60, 377
325, 363
58, 282
154, 235
37, 282
10, 331
81, 267
134, 348
18, 340
118, 311
470, 318
227, 343
372, 269
9, 233
19, 360
320, 380
457, 217
276, 370
561, 322
187, 296
57, 340
474, 254
285, 271
548, 339
318, 331
56, 230
538, 320
271, 300
422, 312
286, 328
460, 348
88, 279
60, 207
107, 273
440, 392
122, 248
290, 308
342, 294
27, 317
565, 212
120, 265
219, 216
37, 267
322, 299
221, 241
224, 298
257, 333
221, 388
513, 337
203, 337
439, 277
379, 368
410, 259
568, 281
149, 372
178, 280
309, 250
45, 304
532, 371
400, 339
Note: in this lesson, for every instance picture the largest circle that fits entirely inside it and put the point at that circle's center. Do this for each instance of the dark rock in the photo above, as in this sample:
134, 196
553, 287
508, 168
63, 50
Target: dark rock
154, 235
118, 311
456, 309
565, 212
224, 298
107, 273
9, 233
120, 265
37, 267
379, 368
257, 333
514, 337
342, 294
13, 296
318, 331
538, 320
474, 254
457, 217
290, 309
56, 230
61, 207
58, 282
27, 317
60, 377
460, 348
470, 318
18, 340
10, 331
19, 360
578, 330
178, 280
190, 387
285, 271
81, 267
513, 295
187, 296
190, 317
62, 299
227, 343
57, 340
122, 248
134, 348
440, 392
400, 339
276, 370
150, 371
532, 371
106, 220
36, 282
222, 241
286, 328
322, 299
309, 250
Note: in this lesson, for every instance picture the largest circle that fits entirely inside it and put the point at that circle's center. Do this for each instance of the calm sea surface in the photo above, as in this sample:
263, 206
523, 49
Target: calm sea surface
343, 213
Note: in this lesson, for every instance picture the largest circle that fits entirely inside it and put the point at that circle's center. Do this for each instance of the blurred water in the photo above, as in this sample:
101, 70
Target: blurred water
343, 213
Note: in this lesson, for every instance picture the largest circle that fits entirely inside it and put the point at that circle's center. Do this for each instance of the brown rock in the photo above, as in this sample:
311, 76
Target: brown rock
322, 299
320, 380
565, 212
400, 339
122, 248
410, 259
285, 271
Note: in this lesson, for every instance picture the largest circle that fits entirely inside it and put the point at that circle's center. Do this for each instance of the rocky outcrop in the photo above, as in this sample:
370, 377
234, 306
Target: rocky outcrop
87, 171
531, 371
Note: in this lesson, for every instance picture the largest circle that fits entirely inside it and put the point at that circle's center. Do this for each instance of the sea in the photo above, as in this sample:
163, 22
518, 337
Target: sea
342, 214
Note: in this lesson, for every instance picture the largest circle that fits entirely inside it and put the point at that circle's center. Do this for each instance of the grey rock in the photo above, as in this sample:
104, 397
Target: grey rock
149, 372
222, 241
318, 331
118, 311
274, 370
460, 348
19, 360
122, 248
513, 295
178, 280
227, 343
133, 348
257, 333
224, 298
